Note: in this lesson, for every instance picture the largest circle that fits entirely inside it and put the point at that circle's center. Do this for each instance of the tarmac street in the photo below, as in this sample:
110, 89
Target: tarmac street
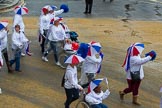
120, 9
39, 85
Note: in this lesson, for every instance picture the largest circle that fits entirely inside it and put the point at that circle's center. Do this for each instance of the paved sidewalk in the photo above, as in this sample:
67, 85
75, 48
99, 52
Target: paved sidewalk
39, 85
118, 9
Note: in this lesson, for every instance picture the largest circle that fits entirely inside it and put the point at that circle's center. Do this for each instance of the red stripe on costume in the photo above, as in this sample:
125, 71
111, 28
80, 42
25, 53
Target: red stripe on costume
135, 51
89, 52
93, 42
75, 60
26, 10
125, 60
17, 7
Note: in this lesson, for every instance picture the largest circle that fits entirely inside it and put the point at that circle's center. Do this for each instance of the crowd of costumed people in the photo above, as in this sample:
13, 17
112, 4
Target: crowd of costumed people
54, 35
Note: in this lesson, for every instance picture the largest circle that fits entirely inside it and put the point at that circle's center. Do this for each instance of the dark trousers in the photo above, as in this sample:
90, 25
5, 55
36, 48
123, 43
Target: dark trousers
71, 95
88, 8
133, 87
43, 40
16, 59
5, 54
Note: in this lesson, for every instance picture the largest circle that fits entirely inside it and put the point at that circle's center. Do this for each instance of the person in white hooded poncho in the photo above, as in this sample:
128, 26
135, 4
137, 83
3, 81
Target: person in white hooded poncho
96, 96
18, 39
4, 48
52, 13
90, 67
44, 24
18, 20
133, 63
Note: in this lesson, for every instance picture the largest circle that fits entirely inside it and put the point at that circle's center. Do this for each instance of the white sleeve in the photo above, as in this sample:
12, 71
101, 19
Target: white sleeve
21, 22
59, 12
64, 34
140, 61
41, 24
71, 80
15, 41
90, 99
53, 33
16, 20
22, 25
24, 38
67, 46
3, 34
106, 94
93, 59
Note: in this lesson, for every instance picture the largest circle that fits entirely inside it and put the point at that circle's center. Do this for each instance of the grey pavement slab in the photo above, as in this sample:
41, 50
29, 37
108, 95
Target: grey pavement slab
122, 9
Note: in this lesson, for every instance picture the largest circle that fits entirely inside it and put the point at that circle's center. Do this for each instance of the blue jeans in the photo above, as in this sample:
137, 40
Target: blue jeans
98, 106
16, 59
56, 47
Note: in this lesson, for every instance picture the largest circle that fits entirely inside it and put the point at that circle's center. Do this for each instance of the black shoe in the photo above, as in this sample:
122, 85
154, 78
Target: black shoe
89, 12
18, 70
111, 1
85, 12
10, 71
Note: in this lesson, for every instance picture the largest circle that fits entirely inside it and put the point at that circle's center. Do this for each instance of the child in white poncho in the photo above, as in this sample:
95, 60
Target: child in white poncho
95, 97
18, 39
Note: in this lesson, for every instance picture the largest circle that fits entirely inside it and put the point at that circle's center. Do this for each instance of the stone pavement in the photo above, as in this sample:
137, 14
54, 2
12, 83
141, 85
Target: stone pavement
39, 85
118, 9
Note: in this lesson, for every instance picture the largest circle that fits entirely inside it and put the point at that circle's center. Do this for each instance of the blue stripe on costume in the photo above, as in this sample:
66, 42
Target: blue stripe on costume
19, 11
97, 82
141, 45
1, 27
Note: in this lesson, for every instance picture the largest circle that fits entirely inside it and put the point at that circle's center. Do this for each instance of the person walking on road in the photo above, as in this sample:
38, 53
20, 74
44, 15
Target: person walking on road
4, 46
91, 64
18, 39
71, 85
56, 37
18, 20
44, 27
133, 64
88, 8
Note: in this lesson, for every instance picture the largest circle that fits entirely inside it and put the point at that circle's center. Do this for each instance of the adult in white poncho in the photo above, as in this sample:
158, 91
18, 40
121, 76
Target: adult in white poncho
133, 63
4, 47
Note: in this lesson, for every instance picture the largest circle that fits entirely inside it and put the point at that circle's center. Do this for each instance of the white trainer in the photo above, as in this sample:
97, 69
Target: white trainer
22, 54
45, 59
62, 66
58, 64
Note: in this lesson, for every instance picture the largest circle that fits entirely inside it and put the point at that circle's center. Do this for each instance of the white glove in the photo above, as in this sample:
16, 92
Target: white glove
41, 32
80, 87
107, 92
20, 46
